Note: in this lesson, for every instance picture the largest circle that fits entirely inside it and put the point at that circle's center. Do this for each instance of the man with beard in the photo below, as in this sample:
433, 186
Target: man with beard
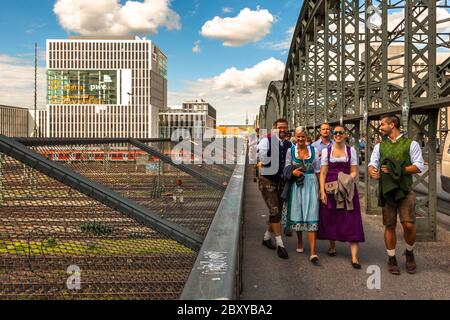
398, 158
272, 151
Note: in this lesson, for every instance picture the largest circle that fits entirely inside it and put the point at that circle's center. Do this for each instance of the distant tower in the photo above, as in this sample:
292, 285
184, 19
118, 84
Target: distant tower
246, 119
35, 130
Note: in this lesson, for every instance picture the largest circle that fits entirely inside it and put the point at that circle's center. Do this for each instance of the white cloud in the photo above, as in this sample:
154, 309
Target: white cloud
442, 14
34, 26
394, 19
234, 90
196, 48
29, 57
111, 17
244, 81
9, 59
284, 45
247, 26
17, 82
227, 10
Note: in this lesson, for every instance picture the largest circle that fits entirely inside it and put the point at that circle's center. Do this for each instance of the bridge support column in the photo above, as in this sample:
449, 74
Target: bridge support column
424, 131
371, 186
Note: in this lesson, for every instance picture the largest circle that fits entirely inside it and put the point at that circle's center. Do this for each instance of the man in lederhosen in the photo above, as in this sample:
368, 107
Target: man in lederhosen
393, 163
272, 151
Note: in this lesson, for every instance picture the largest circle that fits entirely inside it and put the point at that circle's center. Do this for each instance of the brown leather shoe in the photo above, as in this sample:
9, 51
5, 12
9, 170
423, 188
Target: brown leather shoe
410, 262
393, 266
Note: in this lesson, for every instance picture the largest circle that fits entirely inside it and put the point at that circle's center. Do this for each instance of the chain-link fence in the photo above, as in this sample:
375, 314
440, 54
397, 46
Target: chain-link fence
195, 156
133, 173
58, 243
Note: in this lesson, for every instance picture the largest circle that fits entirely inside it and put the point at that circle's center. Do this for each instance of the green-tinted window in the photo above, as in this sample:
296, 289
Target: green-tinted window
82, 87
162, 65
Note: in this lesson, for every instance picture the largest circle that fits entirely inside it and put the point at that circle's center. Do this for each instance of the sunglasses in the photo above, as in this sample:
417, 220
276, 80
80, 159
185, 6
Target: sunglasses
337, 133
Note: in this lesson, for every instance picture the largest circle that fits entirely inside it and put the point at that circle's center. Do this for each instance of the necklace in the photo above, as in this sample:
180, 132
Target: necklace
303, 154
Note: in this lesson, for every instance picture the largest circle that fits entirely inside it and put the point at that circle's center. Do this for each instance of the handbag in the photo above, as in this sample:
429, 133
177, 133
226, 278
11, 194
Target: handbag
331, 187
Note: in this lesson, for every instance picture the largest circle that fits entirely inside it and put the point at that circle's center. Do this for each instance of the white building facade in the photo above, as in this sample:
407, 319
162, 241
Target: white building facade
15, 121
109, 87
196, 116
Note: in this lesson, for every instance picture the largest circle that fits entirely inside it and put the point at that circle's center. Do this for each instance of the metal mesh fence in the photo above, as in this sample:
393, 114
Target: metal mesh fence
48, 229
52, 235
221, 173
133, 173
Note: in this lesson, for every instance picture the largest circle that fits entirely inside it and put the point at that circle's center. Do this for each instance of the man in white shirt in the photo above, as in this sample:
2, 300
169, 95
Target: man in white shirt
272, 151
400, 148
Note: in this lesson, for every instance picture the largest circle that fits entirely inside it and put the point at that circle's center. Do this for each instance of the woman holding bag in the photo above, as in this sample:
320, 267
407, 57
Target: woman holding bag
302, 209
340, 212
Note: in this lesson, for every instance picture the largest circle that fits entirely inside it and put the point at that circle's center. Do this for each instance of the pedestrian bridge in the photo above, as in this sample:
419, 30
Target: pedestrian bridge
119, 219
351, 61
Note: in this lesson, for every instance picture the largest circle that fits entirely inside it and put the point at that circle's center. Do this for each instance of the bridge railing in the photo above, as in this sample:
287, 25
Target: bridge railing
216, 274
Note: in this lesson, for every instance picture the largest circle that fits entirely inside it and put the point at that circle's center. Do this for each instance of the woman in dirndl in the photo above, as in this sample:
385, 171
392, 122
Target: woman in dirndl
302, 204
340, 224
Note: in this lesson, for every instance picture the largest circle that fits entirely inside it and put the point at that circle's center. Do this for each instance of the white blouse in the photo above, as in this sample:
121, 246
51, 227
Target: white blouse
324, 158
316, 161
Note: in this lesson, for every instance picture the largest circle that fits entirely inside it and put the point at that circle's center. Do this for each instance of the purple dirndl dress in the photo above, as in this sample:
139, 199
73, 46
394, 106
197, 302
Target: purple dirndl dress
340, 224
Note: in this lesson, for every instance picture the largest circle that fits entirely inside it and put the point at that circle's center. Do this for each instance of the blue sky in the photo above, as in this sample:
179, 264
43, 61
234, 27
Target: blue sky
191, 74
208, 43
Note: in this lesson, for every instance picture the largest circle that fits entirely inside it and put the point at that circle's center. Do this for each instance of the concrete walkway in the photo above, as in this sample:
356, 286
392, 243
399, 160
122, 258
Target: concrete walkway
265, 276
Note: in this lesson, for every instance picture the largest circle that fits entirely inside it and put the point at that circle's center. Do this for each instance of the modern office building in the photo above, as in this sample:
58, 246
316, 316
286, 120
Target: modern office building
195, 116
104, 87
15, 121
41, 121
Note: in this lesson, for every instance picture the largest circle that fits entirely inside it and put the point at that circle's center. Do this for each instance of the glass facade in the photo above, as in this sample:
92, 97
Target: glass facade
162, 65
81, 87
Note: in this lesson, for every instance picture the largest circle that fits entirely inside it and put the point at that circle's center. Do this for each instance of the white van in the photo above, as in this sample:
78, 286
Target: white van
445, 165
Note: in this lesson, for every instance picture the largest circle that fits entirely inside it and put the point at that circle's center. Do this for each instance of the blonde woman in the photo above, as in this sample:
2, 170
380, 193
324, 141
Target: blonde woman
302, 215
